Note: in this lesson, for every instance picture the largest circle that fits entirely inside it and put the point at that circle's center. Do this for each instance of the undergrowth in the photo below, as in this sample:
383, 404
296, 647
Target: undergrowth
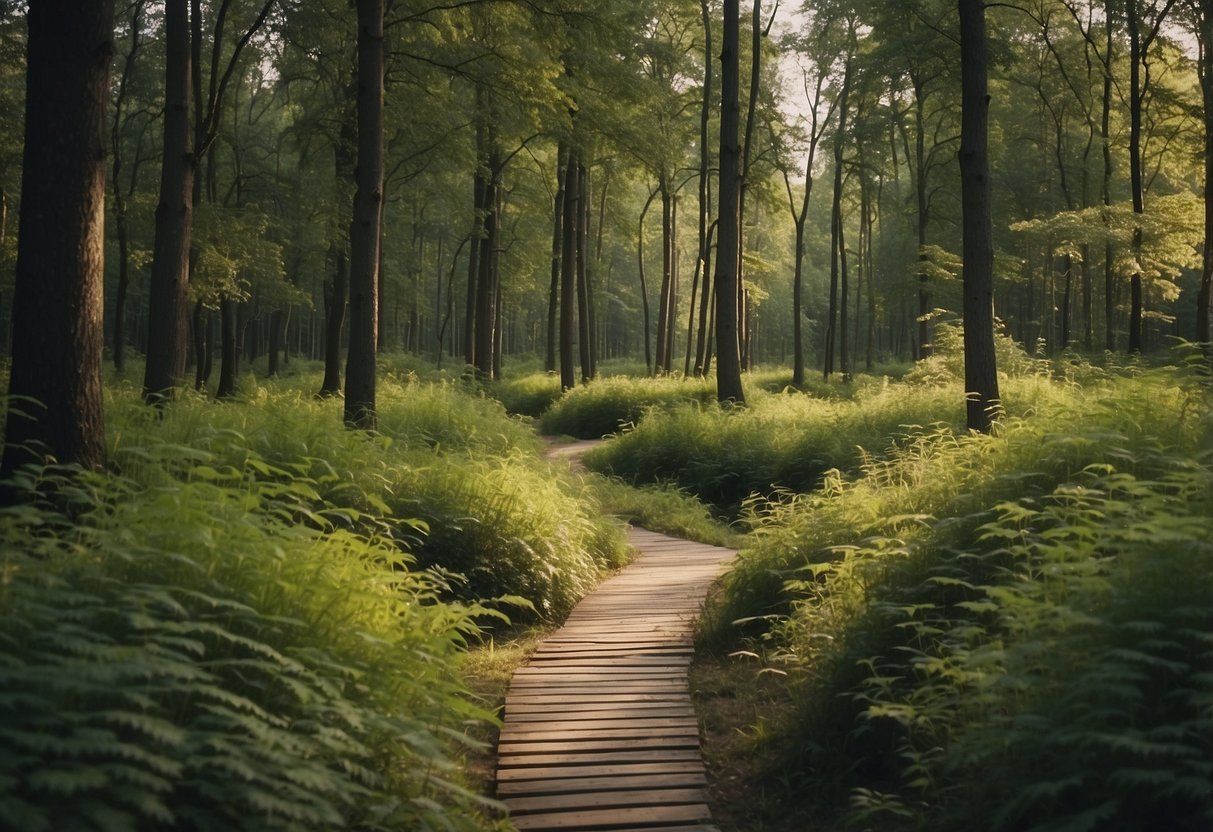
1009, 632
189, 657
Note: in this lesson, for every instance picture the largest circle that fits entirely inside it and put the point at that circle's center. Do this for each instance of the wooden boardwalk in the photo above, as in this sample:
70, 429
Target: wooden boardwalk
599, 729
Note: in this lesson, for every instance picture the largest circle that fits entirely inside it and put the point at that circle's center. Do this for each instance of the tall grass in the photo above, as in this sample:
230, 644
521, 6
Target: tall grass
234, 628
1009, 632
489, 508
186, 657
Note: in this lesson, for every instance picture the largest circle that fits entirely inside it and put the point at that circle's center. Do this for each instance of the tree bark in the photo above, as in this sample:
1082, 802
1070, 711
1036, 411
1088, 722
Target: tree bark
981, 376
365, 228
336, 291
585, 337
1136, 54
1205, 64
549, 363
57, 301
728, 354
170, 251
568, 271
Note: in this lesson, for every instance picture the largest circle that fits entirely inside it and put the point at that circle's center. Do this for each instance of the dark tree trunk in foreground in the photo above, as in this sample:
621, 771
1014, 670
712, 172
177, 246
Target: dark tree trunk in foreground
728, 353
57, 300
166, 329
364, 230
981, 376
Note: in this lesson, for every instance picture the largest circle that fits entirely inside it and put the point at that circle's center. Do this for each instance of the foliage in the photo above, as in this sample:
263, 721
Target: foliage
489, 508
605, 405
782, 441
663, 508
188, 656
1010, 631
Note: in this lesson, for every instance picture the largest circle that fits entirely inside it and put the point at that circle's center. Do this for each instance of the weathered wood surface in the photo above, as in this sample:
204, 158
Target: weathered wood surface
599, 729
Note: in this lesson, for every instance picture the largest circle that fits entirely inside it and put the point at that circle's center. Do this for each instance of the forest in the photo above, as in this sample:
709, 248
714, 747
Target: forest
906, 301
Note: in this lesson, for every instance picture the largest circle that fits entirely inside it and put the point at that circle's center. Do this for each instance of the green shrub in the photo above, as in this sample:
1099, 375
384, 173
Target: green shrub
1007, 631
780, 442
492, 509
528, 395
605, 405
186, 656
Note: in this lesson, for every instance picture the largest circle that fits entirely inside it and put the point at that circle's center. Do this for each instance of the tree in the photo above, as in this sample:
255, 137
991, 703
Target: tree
981, 376
365, 227
55, 388
728, 354
170, 253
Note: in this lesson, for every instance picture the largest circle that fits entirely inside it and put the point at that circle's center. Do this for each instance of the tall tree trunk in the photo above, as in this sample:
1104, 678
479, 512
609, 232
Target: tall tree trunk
336, 291
568, 270
486, 283
479, 187
922, 199
1136, 55
121, 230
1205, 64
837, 253
728, 350
201, 346
365, 227
667, 265
549, 363
170, 250
229, 353
592, 328
644, 289
1105, 134
585, 334
57, 300
981, 376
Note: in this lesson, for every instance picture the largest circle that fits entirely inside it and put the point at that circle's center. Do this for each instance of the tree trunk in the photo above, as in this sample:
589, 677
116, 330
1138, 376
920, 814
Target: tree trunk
568, 271
549, 363
644, 289
585, 337
201, 345
336, 291
981, 376
485, 320
667, 271
479, 187
1206, 86
365, 228
1136, 55
229, 352
57, 300
728, 352
170, 251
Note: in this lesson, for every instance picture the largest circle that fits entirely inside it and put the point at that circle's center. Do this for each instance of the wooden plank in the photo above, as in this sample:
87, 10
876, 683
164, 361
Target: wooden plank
622, 769
605, 745
600, 732
593, 819
597, 800
598, 727
585, 785
580, 758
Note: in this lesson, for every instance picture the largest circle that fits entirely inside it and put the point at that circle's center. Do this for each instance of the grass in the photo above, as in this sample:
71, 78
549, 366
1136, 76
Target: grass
254, 620
1000, 631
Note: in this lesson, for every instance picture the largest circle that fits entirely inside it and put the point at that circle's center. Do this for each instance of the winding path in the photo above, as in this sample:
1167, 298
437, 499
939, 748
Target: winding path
599, 731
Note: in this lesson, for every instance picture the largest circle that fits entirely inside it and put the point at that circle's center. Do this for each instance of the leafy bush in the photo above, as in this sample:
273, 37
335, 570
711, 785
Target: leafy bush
528, 395
492, 510
187, 656
605, 405
780, 442
1008, 631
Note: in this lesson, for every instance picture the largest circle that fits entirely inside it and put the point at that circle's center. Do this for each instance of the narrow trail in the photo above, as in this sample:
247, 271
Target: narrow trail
600, 732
